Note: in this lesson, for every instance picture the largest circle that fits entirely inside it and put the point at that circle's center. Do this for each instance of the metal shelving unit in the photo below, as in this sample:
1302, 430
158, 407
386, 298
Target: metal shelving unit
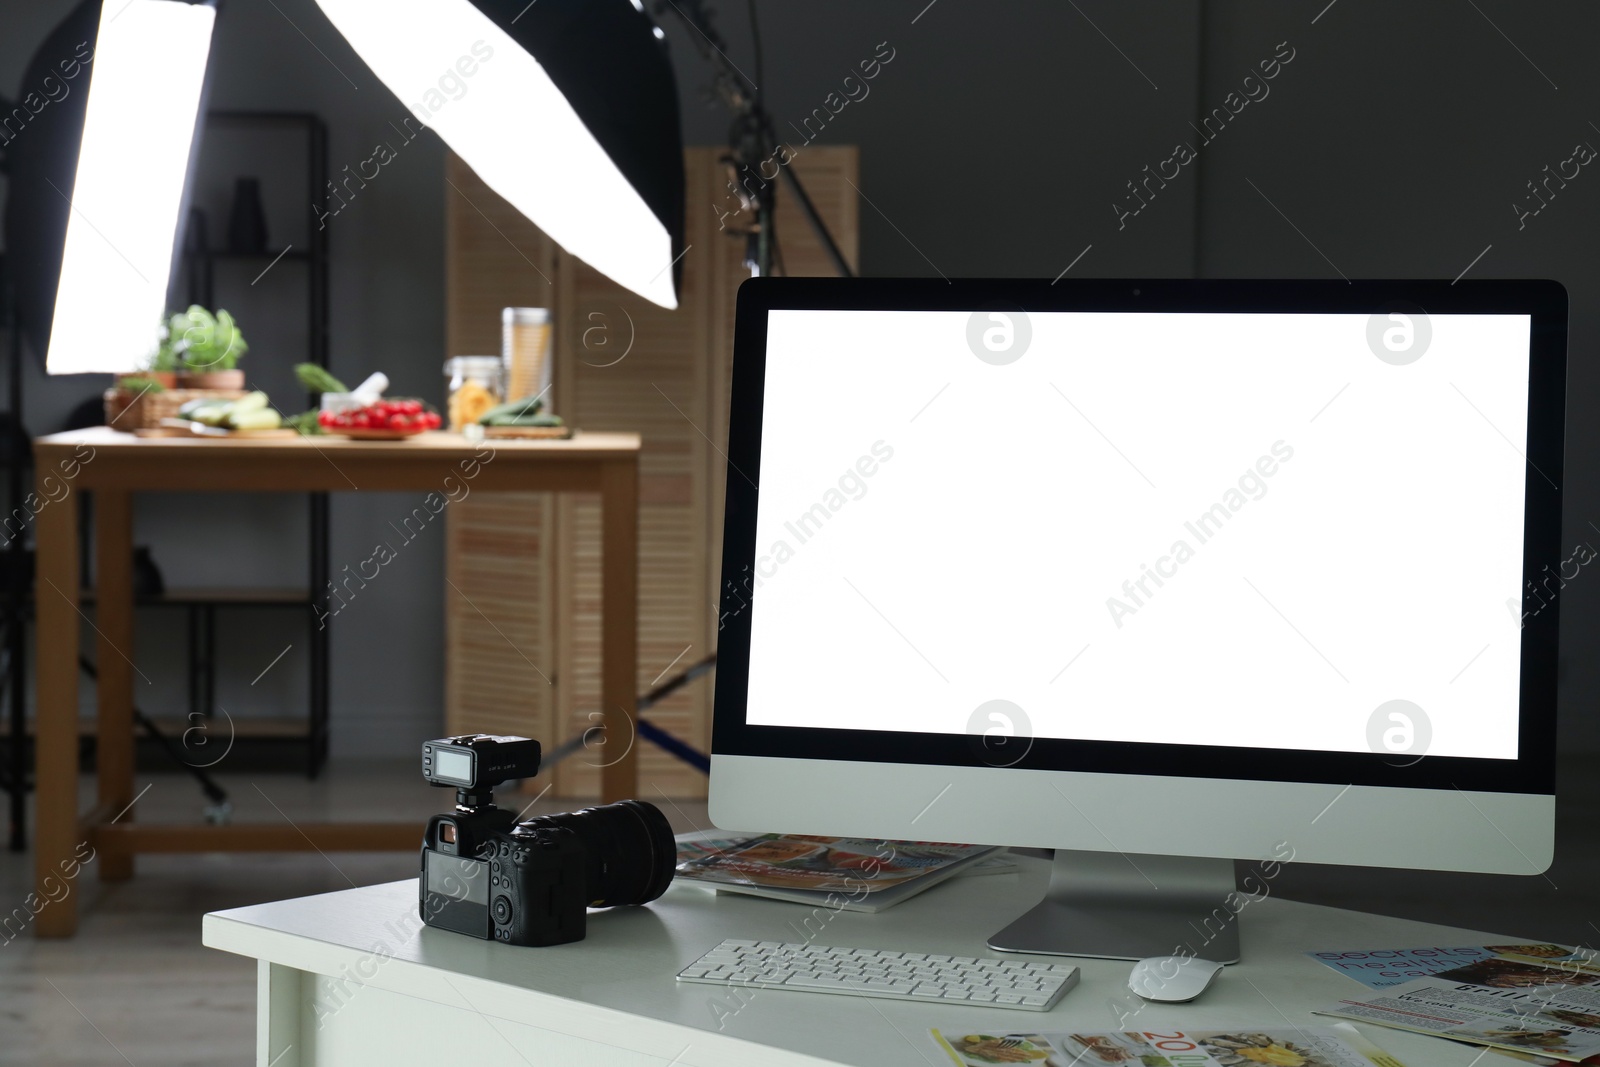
200, 273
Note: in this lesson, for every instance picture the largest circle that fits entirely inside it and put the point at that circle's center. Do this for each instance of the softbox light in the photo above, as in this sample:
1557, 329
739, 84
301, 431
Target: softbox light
568, 109
117, 180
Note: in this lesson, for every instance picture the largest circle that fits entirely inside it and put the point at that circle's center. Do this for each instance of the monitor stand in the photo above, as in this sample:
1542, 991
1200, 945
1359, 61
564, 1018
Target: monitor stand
1125, 907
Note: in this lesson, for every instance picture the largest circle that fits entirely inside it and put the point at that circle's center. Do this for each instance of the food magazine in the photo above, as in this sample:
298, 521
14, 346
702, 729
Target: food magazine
853, 874
1381, 968
1505, 1003
1340, 1045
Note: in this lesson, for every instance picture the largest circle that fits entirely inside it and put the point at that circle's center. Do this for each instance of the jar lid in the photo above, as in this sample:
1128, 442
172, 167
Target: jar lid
473, 365
524, 316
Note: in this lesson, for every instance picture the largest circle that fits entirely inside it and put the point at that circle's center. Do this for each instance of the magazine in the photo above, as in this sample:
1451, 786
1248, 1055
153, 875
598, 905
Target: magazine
849, 874
714, 842
710, 843
1339, 1045
1500, 1002
1385, 967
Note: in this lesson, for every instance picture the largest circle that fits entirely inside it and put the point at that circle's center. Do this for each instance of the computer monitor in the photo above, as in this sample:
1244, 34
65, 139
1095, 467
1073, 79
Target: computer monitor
1158, 574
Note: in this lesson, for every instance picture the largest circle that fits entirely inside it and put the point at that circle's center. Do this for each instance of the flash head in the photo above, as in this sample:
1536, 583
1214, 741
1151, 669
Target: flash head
478, 761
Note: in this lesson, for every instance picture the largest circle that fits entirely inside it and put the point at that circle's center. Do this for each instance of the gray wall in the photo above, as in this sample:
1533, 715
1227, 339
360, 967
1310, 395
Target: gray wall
997, 141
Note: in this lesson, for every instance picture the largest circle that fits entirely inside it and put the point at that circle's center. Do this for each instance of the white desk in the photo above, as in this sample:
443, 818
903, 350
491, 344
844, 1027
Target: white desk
354, 978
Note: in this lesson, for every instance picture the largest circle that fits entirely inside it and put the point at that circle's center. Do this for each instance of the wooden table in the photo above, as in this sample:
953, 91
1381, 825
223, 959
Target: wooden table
115, 465
354, 977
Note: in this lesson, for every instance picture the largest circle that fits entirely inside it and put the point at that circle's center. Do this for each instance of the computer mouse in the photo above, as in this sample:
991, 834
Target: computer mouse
1172, 979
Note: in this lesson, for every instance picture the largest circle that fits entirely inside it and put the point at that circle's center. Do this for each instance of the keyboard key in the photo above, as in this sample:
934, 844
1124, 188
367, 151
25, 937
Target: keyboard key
884, 985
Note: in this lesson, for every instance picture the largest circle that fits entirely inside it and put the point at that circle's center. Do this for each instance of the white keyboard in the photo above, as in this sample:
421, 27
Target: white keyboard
865, 972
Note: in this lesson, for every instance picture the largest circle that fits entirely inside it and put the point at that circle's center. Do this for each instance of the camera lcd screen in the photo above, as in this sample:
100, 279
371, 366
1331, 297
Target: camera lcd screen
458, 878
453, 764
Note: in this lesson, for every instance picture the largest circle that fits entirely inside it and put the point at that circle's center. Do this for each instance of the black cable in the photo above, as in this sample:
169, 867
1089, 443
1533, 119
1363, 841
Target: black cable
761, 64
769, 139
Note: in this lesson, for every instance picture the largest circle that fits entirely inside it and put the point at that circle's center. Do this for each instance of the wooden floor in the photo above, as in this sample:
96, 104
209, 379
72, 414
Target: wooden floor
136, 986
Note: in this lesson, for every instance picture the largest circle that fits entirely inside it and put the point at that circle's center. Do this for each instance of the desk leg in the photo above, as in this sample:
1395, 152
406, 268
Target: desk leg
619, 626
56, 699
278, 1014
113, 524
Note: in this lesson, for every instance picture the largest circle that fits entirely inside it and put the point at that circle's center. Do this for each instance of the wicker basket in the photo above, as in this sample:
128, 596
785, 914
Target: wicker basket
129, 410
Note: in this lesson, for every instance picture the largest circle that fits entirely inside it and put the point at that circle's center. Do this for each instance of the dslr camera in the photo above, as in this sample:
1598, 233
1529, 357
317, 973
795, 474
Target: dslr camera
531, 882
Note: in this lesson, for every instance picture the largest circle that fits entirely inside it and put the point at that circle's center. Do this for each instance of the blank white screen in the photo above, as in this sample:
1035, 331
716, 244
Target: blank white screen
968, 528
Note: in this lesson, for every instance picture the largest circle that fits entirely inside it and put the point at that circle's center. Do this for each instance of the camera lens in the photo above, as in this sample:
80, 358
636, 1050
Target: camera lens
631, 854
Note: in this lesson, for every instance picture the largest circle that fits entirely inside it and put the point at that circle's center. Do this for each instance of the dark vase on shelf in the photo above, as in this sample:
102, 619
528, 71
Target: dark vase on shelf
247, 222
195, 238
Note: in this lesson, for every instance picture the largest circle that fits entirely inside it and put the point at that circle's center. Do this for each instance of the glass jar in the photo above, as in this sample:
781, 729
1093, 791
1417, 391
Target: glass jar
525, 346
477, 383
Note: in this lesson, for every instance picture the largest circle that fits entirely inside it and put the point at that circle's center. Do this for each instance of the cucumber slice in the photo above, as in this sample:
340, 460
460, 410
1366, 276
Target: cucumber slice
192, 408
213, 415
255, 420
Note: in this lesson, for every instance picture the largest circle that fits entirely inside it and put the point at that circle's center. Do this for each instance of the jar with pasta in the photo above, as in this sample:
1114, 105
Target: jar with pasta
477, 383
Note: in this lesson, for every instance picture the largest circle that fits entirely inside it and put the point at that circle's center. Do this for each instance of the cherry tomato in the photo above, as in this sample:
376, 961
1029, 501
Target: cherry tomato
398, 422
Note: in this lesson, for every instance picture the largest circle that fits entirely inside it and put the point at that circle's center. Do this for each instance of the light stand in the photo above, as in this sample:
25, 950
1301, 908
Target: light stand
14, 614
752, 142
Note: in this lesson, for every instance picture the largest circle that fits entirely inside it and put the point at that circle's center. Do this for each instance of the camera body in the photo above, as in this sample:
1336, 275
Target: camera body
485, 876
529, 883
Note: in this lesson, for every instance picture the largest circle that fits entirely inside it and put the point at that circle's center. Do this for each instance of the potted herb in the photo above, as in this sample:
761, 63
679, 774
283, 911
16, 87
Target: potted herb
128, 396
207, 348
161, 368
